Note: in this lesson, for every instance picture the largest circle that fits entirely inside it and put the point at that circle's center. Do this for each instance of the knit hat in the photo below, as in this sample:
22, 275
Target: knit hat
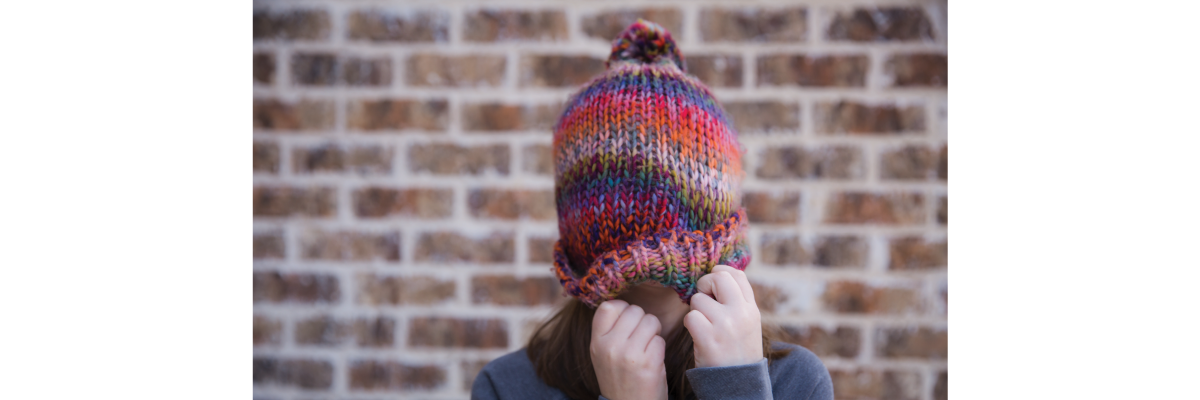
647, 176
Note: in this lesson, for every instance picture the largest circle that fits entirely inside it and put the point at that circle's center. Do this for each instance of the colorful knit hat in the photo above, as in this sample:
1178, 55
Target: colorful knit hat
648, 175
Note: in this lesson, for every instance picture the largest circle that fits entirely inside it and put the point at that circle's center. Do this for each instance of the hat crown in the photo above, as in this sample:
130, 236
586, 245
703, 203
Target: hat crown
645, 42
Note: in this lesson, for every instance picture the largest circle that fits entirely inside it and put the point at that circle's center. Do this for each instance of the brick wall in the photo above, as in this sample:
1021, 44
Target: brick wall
403, 209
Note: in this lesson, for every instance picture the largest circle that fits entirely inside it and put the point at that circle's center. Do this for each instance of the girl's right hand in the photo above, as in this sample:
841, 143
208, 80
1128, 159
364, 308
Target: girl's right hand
627, 352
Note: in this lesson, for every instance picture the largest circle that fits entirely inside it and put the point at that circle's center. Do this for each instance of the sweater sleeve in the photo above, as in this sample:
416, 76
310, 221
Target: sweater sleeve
741, 382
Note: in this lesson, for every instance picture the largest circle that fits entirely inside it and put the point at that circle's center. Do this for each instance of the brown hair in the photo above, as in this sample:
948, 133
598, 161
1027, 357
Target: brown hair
560, 351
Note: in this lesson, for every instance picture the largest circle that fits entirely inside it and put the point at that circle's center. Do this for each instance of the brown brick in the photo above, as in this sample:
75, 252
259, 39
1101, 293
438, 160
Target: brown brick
502, 25
871, 208
291, 25
395, 290
754, 25
436, 70
364, 71
375, 332
266, 331
902, 385
268, 245
264, 68
827, 71
782, 249
841, 342
915, 253
857, 118
559, 70
281, 201
303, 373
881, 24
772, 208
350, 246
452, 159
541, 250
314, 69
394, 114
943, 212
608, 25
920, 343
389, 375
763, 116
322, 330
266, 157
377, 202
943, 164
457, 333
508, 117
876, 384
939, 388
918, 70
303, 115
716, 70
442, 247
335, 158
858, 298
767, 297
470, 371
507, 290
302, 288
511, 204
908, 163
379, 25
537, 159
830, 162
841, 251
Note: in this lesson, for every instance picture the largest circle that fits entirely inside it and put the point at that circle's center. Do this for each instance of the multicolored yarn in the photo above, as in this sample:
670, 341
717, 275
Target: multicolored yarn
648, 176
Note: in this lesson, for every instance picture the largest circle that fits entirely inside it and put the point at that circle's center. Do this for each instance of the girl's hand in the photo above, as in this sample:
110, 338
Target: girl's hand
627, 352
728, 330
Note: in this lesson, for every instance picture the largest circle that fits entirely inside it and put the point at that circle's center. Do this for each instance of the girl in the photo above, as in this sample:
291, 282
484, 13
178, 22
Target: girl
652, 248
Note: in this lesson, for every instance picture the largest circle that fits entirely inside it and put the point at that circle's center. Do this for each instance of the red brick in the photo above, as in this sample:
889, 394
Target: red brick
375, 332
266, 331
782, 249
754, 25
872, 208
264, 68
322, 330
841, 251
367, 71
457, 333
302, 373
378, 25
371, 375
492, 25
858, 298
858, 118
507, 290
918, 70
915, 253
881, 24
302, 288
470, 371
436, 70
283, 201
268, 245
918, 343
943, 164
908, 163
443, 247
767, 297
453, 159
537, 159
902, 385
607, 25
541, 250
509, 117
335, 158
939, 388
395, 114
772, 208
841, 342
943, 212
816, 71
377, 202
830, 162
511, 204
350, 246
291, 25
314, 69
559, 70
876, 384
303, 115
395, 290
266, 157
764, 116
716, 70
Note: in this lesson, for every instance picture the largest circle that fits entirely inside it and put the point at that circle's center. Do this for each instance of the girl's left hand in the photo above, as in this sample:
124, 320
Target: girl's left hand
724, 322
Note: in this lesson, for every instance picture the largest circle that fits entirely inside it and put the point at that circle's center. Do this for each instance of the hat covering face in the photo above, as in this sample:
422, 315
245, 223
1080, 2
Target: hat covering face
647, 174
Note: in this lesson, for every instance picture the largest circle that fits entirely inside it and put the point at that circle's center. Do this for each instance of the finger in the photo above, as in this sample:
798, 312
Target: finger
706, 305
698, 325
606, 315
656, 349
742, 280
628, 320
647, 328
723, 287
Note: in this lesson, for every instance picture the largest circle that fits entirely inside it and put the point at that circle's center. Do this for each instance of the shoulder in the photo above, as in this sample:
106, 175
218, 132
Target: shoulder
511, 376
800, 371
517, 361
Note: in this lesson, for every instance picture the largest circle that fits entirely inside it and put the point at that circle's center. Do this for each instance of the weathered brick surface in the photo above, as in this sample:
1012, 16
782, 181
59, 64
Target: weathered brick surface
316, 69
921, 343
367, 71
331, 158
286, 201
790, 163
446, 158
491, 25
379, 202
264, 68
350, 246
607, 25
754, 25
875, 208
772, 208
909, 163
537, 159
859, 118
541, 250
843, 342
377, 375
408, 26
268, 245
267, 331
398, 290
841, 251
943, 164
301, 288
764, 116
511, 204
881, 24
457, 333
300, 373
877, 384
939, 388
820, 71
768, 298
918, 70
302, 115
266, 157
509, 117
783, 249
298, 24
507, 290
438, 70
548, 70
442, 247
718, 70
396, 114
914, 253
859, 298
943, 212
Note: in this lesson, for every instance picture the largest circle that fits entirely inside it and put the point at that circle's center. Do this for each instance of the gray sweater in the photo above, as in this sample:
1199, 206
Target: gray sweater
800, 375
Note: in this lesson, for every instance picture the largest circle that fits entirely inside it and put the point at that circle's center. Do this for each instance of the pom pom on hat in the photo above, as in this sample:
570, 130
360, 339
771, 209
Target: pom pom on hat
645, 42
